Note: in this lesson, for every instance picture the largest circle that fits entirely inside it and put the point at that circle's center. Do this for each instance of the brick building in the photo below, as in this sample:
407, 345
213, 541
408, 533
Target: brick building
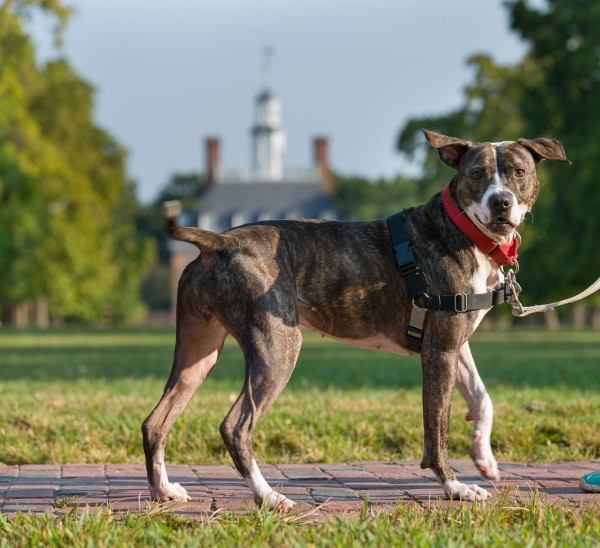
266, 191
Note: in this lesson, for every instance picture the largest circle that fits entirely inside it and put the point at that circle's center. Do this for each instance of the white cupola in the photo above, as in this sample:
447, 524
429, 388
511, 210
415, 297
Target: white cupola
268, 137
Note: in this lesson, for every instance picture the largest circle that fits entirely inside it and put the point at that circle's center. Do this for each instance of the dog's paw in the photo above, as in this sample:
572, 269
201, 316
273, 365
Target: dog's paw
173, 491
277, 501
486, 465
455, 490
484, 459
285, 504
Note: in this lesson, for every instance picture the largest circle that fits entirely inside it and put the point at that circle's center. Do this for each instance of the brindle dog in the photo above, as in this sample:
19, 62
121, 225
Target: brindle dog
261, 282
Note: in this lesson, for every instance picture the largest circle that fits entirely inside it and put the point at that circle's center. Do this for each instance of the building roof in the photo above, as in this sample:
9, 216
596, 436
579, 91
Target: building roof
273, 196
225, 205
229, 204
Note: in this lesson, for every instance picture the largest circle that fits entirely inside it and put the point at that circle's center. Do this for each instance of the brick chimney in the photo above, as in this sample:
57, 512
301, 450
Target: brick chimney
320, 147
211, 159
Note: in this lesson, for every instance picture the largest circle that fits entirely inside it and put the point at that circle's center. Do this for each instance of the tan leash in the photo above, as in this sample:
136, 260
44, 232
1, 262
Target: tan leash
519, 310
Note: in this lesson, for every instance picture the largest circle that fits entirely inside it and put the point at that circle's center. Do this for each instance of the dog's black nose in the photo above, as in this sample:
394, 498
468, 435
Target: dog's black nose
500, 202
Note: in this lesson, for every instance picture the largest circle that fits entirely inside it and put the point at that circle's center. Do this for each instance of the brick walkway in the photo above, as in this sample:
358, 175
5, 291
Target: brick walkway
57, 489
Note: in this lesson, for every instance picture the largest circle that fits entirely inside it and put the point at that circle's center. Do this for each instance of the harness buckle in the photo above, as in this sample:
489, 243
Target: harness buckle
405, 258
460, 302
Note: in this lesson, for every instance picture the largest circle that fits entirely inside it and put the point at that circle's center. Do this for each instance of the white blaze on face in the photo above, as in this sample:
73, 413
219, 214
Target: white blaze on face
481, 214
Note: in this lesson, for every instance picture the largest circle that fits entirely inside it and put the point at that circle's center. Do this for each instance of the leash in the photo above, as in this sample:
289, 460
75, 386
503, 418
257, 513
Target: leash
416, 282
520, 311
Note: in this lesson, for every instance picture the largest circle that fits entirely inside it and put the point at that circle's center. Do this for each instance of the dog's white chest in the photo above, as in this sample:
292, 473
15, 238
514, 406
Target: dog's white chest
487, 277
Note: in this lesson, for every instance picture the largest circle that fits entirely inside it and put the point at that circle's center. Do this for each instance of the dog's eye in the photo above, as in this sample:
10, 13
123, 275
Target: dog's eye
476, 175
520, 172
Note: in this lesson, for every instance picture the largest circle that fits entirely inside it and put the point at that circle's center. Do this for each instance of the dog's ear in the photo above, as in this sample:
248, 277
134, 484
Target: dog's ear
545, 149
450, 149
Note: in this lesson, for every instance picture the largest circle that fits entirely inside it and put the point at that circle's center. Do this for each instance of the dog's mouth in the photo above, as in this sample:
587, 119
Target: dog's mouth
501, 226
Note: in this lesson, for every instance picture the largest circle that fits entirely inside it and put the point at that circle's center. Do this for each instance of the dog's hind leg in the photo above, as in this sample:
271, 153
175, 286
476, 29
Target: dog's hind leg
198, 345
270, 353
481, 411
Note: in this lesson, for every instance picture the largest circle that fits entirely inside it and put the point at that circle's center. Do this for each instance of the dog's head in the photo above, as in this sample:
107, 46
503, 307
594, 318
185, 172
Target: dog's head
496, 182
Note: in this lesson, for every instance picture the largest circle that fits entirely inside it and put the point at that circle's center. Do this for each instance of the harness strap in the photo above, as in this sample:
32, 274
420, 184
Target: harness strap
465, 302
416, 285
415, 329
415, 281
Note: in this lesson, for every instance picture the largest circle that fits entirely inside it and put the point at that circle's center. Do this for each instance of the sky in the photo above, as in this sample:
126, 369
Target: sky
169, 74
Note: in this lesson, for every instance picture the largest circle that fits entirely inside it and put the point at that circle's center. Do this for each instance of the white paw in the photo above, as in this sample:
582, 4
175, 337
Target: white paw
173, 491
277, 501
482, 456
487, 466
461, 491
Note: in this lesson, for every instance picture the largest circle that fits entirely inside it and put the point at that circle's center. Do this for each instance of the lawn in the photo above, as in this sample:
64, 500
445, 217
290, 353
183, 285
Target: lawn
81, 395
501, 523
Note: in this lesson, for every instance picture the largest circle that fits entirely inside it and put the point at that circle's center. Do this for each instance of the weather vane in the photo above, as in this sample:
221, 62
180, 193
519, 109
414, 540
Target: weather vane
268, 53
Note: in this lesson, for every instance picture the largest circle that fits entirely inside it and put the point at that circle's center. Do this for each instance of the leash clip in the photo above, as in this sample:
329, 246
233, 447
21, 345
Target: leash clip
514, 288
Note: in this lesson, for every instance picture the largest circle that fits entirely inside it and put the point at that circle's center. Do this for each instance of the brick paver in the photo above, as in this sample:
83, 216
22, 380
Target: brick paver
331, 488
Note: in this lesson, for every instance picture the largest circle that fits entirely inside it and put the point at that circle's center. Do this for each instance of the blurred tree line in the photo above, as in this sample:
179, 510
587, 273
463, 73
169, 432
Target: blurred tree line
187, 188
69, 248
76, 244
554, 92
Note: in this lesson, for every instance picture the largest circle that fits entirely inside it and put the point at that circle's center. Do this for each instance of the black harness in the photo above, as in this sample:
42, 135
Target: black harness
416, 285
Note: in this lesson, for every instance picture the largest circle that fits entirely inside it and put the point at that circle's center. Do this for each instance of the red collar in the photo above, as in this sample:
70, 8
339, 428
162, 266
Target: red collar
502, 254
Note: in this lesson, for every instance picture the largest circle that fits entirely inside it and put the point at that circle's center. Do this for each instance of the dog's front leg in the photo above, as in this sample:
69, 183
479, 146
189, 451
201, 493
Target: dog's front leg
481, 412
439, 376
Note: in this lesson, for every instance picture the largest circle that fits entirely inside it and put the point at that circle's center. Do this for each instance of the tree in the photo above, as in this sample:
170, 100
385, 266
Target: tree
490, 110
361, 198
64, 195
150, 220
185, 187
565, 44
552, 92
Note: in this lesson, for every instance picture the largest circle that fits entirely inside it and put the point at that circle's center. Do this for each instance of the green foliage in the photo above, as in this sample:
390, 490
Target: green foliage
156, 287
552, 92
65, 201
363, 199
185, 187
490, 110
150, 220
563, 102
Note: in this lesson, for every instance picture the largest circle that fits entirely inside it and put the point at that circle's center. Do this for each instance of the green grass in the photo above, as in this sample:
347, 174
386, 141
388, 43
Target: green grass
501, 523
81, 395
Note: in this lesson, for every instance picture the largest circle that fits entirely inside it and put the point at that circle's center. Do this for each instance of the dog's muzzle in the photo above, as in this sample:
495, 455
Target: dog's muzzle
500, 209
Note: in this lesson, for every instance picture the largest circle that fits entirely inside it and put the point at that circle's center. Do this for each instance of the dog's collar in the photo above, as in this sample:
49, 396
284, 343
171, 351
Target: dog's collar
502, 254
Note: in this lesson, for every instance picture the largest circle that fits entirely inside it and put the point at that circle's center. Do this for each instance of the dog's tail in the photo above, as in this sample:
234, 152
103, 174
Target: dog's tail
205, 240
